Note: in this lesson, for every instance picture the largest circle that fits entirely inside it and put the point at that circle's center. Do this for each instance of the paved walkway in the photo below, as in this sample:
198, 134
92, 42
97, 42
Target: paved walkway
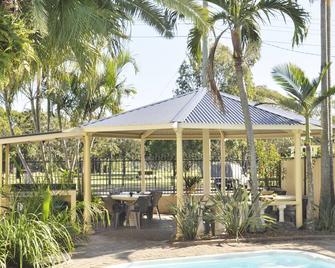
110, 247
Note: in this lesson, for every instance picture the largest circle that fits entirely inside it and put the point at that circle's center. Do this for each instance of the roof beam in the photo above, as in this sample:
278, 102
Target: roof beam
40, 137
147, 134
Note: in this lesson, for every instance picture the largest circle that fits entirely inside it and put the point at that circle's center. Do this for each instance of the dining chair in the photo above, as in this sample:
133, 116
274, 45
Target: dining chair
155, 197
139, 208
119, 214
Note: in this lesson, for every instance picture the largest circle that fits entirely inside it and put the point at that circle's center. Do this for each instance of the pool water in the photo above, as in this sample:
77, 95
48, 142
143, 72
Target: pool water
265, 259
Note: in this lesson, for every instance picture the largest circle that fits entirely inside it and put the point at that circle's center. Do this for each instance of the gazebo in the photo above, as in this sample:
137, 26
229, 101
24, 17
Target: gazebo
193, 116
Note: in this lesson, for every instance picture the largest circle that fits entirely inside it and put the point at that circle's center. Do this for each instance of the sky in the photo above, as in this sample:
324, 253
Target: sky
158, 59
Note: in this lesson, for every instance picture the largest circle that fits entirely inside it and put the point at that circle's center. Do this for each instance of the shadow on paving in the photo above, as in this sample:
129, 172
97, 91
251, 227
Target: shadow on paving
123, 241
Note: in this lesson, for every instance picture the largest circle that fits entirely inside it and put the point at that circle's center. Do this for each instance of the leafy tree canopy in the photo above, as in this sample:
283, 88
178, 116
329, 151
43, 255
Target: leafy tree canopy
189, 78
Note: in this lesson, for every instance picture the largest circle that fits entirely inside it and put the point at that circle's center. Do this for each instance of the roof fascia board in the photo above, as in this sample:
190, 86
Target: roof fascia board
44, 137
96, 129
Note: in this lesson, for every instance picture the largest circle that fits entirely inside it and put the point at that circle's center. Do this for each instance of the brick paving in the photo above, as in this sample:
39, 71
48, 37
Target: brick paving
110, 247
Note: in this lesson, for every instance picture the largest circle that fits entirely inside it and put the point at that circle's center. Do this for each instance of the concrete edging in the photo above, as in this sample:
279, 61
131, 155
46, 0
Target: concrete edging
254, 240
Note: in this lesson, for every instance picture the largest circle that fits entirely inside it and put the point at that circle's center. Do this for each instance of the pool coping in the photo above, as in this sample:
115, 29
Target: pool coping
236, 254
253, 239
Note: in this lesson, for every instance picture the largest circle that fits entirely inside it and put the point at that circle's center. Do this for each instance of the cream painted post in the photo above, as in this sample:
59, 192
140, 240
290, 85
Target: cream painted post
1, 169
180, 179
7, 163
206, 162
223, 162
143, 182
298, 178
87, 183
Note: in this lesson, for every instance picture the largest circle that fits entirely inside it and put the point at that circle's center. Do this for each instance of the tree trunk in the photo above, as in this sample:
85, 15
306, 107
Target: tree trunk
38, 96
327, 195
210, 74
204, 54
309, 175
330, 119
236, 39
12, 133
60, 125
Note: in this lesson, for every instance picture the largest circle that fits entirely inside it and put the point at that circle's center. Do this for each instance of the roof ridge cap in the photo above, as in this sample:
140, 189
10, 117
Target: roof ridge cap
182, 114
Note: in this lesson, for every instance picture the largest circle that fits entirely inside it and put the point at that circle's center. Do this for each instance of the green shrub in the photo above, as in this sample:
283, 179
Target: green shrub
29, 241
326, 220
187, 217
98, 213
35, 234
237, 214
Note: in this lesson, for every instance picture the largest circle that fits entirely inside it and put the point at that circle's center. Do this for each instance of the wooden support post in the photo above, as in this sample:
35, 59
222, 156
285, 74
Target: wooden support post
298, 178
7, 165
143, 182
206, 162
87, 183
180, 175
223, 162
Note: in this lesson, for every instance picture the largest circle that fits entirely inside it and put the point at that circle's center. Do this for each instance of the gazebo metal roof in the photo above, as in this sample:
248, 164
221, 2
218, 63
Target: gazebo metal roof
198, 108
192, 112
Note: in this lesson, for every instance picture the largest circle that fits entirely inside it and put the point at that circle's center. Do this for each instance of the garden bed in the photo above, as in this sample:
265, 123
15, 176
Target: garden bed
279, 233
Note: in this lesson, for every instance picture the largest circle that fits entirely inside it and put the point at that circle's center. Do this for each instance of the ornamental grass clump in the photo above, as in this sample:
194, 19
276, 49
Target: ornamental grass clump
30, 242
30, 236
326, 220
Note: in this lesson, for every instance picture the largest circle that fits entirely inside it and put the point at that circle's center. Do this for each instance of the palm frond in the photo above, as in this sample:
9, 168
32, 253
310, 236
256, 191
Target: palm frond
286, 8
289, 77
194, 43
250, 33
151, 14
317, 101
317, 81
189, 9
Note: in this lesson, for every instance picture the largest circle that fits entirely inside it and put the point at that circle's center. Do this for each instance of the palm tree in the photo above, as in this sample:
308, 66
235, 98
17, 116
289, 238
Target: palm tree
327, 199
304, 92
242, 19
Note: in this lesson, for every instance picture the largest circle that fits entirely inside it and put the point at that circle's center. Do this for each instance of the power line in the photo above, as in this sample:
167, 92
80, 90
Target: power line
224, 37
271, 43
293, 51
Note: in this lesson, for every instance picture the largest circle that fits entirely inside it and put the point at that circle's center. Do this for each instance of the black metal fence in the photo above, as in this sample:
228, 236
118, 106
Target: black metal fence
109, 175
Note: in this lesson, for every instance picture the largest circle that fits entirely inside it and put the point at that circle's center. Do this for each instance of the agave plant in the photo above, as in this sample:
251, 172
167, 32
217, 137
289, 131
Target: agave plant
237, 214
187, 217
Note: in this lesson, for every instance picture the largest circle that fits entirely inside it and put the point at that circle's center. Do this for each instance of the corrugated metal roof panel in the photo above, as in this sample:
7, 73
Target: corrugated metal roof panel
156, 113
207, 112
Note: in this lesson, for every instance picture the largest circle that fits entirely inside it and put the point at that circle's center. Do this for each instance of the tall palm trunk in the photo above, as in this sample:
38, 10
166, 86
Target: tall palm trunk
8, 109
327, 195
330, 119
309, 173
210, 74
236, 39
65, 147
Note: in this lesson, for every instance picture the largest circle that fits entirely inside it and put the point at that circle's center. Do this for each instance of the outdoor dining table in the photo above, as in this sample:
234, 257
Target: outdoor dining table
126, 197
130, 199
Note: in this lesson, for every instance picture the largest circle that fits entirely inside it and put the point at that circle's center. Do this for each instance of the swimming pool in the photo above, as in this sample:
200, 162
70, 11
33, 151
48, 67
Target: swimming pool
260, 259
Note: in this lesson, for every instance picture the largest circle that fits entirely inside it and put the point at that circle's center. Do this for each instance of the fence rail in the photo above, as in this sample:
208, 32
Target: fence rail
108, 175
